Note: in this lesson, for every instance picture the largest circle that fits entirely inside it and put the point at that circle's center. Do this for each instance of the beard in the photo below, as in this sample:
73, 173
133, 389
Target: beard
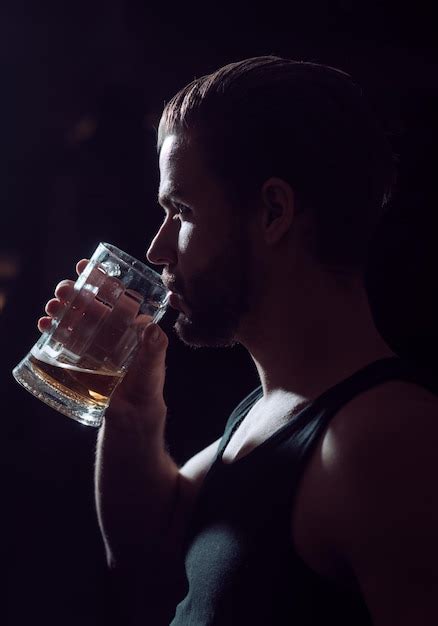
217, 298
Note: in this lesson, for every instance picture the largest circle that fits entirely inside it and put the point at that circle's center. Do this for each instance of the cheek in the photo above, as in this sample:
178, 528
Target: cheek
185, 237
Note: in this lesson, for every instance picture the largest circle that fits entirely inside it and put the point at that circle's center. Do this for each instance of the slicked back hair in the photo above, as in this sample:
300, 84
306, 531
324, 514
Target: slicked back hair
304, 122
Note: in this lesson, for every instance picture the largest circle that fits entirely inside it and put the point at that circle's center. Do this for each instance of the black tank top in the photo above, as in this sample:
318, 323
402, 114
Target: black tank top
240, 563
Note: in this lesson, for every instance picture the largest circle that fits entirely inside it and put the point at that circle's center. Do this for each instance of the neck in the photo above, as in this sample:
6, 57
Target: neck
320, 332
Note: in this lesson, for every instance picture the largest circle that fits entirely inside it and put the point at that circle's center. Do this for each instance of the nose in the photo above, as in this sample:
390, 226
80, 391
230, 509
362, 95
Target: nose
162, 250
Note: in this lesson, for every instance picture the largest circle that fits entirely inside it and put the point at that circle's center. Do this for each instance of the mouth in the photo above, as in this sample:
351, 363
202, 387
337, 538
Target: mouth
176, 302
168, 281
174, 299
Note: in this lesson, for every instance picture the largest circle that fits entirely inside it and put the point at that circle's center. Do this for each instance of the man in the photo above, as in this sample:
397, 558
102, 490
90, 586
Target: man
318, 505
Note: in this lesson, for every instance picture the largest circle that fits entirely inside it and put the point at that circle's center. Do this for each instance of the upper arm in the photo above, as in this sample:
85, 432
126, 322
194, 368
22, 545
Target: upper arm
195, 469
382, 467
190, 479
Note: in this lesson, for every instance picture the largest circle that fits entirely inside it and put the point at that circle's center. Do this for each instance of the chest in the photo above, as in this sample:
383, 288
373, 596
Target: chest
263, 420
297, 479
241, 559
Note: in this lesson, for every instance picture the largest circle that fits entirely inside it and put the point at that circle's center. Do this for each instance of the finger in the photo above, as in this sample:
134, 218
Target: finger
81, 265
44, 324
141, 321
145, 377
64, 290
54, 307
142, 387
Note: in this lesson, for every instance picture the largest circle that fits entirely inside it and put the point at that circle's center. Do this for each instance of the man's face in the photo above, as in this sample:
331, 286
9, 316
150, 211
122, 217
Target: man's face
204, 248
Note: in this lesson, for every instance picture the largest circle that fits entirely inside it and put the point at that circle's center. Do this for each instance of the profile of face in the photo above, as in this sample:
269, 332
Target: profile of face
203, 246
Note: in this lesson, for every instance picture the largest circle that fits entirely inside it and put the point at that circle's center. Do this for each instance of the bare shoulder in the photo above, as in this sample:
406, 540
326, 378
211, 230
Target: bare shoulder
374, 437
390, 417
394, 425
386, 405
382, 435
377, 465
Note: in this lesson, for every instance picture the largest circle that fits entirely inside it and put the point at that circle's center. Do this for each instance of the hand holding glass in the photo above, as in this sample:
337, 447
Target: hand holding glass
76, 365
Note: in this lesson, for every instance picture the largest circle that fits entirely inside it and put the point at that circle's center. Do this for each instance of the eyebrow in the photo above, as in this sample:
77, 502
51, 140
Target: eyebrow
166, 198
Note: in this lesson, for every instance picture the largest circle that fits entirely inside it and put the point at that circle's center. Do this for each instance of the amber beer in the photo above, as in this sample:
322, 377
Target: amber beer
87, 386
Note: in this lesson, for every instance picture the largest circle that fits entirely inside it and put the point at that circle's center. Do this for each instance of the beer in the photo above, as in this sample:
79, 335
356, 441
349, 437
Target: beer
90, 387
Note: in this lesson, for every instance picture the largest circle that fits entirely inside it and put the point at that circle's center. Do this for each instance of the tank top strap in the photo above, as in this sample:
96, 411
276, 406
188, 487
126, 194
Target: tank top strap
316, 415
373, 374
301, 434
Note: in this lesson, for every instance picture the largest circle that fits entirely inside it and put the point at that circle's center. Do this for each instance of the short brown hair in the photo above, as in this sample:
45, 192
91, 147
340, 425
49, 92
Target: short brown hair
304, 122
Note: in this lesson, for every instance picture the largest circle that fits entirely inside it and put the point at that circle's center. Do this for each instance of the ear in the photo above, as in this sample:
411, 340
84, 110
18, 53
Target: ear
278, 209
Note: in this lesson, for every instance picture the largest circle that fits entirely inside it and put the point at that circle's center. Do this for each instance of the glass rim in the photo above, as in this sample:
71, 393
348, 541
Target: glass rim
134, 263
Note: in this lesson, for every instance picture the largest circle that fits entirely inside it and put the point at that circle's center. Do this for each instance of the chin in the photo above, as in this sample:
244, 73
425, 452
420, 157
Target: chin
204, 335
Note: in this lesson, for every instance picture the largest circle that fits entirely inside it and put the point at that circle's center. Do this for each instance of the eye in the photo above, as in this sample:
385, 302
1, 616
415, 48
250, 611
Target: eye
182, 209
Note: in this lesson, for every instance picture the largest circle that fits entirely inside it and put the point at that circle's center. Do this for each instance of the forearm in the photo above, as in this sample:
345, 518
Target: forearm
136, 485
142, 510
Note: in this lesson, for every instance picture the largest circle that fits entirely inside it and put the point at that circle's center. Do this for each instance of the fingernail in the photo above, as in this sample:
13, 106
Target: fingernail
140, 333
155, 333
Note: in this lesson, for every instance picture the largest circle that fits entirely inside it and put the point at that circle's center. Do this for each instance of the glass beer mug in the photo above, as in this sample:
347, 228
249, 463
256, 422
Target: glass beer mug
76, 365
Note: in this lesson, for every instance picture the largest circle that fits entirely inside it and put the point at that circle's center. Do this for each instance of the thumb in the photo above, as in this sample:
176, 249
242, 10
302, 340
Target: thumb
142, 387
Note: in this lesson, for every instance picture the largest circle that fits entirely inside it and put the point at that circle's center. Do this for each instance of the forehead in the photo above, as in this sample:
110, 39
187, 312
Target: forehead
172, 151
179, 163
186, 176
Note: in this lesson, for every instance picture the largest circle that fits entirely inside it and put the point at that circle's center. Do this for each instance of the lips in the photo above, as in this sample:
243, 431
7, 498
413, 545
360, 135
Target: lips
176, 302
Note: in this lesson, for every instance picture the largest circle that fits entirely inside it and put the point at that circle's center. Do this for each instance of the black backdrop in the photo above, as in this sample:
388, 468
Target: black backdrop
83, 85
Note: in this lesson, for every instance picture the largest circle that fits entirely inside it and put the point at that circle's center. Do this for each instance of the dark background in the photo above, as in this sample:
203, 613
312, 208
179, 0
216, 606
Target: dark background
83, 84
